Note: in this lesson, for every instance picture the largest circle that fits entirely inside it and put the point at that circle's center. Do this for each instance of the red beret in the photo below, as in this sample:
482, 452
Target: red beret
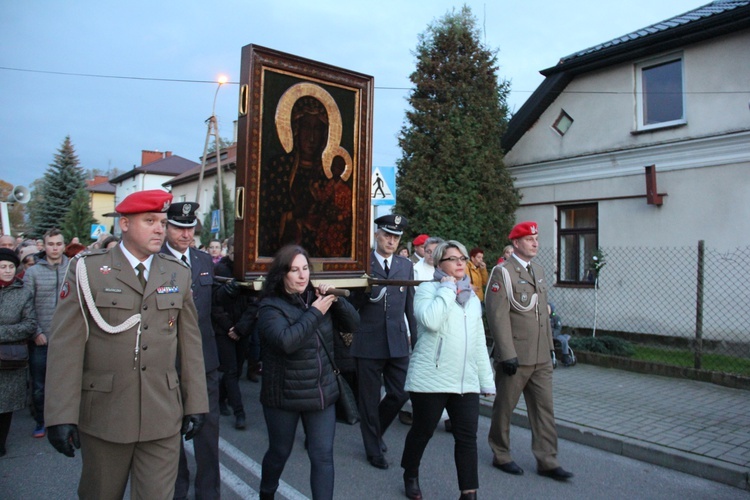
419, 240
523, 229
152, 200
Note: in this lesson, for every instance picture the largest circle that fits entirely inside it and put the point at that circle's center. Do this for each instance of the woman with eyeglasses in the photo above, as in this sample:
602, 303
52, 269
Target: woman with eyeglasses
449, 368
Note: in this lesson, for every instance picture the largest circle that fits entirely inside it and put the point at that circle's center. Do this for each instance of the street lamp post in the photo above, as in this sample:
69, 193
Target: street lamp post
213, 129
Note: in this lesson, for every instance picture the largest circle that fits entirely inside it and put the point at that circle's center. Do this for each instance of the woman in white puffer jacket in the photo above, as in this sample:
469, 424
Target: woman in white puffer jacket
449, 368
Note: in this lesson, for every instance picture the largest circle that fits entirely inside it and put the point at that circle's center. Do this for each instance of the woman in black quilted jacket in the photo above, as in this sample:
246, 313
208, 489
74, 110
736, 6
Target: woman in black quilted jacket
298, 379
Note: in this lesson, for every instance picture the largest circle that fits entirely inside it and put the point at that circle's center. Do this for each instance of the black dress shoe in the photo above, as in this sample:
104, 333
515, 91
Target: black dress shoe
224, 409
239, 422
558, 474
411, 488
509, 468
378, 462
405, 417
383, 447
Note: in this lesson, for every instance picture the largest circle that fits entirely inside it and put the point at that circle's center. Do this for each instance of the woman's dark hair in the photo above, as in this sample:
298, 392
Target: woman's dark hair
282, 263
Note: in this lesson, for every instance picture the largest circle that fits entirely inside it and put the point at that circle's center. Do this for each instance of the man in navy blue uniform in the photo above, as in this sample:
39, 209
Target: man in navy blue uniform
381, 345
181, 222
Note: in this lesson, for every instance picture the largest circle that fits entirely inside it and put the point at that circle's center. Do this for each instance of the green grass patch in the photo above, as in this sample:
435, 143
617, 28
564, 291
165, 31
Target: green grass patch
685, 358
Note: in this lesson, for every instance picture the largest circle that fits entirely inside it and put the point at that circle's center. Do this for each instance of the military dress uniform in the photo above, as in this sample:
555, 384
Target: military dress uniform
206, 443
381, 348
522, 330
182, 215
121, 389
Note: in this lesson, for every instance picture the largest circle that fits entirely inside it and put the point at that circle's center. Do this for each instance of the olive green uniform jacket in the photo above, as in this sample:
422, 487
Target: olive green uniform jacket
96, 380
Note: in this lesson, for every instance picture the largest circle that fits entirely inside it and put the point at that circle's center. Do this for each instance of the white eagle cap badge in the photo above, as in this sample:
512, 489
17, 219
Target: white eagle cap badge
186, 208
397, 220
533, 230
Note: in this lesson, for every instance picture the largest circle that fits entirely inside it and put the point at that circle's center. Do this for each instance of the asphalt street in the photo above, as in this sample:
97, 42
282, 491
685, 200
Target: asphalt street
33, 469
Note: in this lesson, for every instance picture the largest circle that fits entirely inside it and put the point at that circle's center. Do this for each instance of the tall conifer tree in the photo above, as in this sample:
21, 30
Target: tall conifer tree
451, 178
58, 188
80, 217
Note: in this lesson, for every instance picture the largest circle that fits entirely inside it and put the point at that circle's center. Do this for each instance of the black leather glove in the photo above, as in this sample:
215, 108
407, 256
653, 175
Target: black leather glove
64, 437
509, 366
231, 288
197, 420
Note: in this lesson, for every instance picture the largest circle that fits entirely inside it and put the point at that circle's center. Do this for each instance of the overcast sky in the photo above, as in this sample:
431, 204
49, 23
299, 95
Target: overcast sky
110, 120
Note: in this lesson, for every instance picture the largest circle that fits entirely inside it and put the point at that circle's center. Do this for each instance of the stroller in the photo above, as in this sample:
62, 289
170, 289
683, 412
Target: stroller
559, 340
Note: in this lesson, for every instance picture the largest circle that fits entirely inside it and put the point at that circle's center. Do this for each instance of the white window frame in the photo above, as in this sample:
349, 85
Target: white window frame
640, 97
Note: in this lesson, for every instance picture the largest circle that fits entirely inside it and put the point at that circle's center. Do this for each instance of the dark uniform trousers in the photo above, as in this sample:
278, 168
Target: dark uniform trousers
376, 414
381, 350
206, 449
535, 381
206, 442
107, 466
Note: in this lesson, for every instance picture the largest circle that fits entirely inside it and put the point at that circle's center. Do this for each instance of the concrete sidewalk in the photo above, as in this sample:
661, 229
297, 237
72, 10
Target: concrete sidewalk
694, 427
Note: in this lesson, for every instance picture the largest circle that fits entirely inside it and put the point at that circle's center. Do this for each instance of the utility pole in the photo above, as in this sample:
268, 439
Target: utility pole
213, 129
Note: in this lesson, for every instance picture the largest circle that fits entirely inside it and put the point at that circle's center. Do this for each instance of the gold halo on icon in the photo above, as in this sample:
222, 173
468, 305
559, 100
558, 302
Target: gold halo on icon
333, 146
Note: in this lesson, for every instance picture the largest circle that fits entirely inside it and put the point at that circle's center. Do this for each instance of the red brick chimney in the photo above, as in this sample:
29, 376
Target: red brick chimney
99, 179
152, 156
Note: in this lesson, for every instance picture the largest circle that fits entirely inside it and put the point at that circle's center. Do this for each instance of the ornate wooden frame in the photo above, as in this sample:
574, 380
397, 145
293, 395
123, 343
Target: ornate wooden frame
271, 83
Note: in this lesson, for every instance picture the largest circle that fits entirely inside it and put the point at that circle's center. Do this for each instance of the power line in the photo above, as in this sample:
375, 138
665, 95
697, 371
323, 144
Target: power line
118, 77
182, 80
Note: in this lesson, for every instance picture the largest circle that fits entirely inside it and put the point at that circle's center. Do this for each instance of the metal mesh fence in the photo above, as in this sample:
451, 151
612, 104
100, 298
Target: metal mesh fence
651, 297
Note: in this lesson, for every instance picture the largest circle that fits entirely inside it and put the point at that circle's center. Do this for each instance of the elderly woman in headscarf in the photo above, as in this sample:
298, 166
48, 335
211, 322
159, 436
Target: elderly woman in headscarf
449, 368
17, 324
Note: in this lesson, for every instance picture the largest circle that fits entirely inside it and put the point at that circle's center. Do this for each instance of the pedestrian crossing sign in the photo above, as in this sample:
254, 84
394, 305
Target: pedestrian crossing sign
97, 230
383, 186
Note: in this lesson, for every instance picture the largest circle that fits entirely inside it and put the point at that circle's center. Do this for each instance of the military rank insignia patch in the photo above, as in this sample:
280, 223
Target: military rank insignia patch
65, 290
495, 287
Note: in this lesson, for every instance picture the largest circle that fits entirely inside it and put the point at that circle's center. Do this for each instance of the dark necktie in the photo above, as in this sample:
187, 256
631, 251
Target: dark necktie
531, 272
387, 269
141, 274
184, 259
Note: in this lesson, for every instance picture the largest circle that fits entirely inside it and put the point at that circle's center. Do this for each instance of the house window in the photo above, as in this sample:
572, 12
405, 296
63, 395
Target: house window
578, 237
563, 122
660, 93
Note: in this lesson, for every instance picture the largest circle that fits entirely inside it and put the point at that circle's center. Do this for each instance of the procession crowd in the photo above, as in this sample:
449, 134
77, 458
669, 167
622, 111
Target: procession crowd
129, 346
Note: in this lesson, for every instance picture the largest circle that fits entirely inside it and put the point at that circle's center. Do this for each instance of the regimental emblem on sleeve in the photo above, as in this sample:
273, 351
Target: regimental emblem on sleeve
495, 287
65, 290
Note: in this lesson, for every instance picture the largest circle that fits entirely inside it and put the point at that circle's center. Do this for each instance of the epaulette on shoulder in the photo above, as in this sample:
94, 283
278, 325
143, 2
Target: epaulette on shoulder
171, 257
499, 266
87, 253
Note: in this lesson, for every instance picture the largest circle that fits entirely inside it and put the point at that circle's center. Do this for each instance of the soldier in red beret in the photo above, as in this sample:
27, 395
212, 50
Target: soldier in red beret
125, 318
516, 306
418, 246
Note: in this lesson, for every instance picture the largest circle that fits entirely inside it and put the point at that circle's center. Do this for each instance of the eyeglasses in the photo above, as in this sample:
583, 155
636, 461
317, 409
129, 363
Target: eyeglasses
455, 259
